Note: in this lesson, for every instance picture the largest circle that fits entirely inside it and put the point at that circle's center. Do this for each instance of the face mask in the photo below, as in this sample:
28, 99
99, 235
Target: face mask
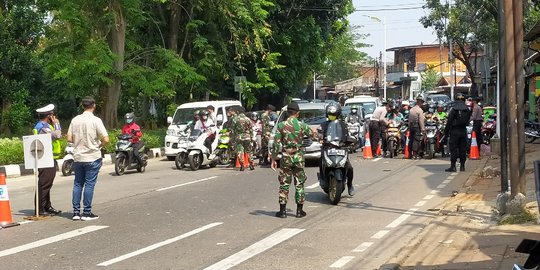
332, 117
205, 117
353, 111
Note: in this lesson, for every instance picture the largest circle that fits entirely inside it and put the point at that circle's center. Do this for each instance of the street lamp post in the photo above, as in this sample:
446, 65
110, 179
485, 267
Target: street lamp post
383, 21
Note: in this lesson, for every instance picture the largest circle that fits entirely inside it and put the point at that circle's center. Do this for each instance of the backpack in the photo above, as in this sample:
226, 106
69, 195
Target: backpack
462, 118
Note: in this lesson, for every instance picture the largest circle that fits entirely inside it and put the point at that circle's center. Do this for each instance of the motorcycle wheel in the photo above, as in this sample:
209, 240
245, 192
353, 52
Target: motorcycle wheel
195, 162
391, 149
335, 187
431, 151
120, 166
142, 167
180, 161
529, 139
225, 157
67, 167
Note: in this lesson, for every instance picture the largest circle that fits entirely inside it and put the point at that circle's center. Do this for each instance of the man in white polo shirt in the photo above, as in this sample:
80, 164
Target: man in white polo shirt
88, 135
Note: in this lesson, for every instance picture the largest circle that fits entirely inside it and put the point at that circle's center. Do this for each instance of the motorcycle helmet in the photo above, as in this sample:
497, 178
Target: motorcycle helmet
420, 97
354, 109
254, 116
431, 107
440, 107
333, 111
203, 114
460, 96
129, 117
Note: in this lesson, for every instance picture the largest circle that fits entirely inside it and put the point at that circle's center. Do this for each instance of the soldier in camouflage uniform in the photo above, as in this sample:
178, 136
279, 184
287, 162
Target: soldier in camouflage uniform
231, 113
266, 129
288, 142
243, 128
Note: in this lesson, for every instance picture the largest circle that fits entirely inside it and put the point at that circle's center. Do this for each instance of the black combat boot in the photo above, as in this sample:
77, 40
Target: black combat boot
251, 166
462, 167
299, 212
242, 167
282, 213
452, 168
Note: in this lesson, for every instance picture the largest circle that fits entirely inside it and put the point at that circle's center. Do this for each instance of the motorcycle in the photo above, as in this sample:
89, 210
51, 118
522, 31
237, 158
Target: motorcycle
432, 138
403, 133
182, 156
532, 131
334, 162
125, 158
223, 151
469, 136
67, 164
393, 138
489, 128
353, 131
198, 154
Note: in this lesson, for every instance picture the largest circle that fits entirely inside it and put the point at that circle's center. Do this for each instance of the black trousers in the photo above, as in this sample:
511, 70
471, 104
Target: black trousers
136, 147
477, 128
375, 135
458, 146
415, 140
45, 182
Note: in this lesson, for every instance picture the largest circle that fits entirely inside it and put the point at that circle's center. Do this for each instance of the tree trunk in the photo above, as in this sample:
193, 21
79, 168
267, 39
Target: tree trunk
186, 35
4, 127
174, 25
117, 40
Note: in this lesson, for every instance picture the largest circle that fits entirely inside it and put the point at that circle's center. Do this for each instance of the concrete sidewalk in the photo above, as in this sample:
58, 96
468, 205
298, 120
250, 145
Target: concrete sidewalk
465, 235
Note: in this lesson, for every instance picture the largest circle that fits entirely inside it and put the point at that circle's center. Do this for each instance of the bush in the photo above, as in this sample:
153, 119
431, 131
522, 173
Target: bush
11, 151
152, 139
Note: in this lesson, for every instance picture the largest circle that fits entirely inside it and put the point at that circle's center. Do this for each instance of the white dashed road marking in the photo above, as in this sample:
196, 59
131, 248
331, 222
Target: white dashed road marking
377, 159
255, 249
441, 186
420, 203
429, 197
362, 247
342, 261
51, 240
160, 244
188, 183
401, 218
380, 234
447, 181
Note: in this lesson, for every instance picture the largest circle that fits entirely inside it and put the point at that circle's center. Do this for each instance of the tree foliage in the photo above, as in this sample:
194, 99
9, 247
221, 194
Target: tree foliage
430, 77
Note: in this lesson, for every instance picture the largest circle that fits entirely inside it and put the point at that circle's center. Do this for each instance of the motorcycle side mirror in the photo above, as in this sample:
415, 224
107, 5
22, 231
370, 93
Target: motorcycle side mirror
169, 120
351, 139
219, 118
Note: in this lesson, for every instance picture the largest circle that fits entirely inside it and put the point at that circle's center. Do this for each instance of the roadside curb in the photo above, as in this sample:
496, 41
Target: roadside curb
17, 170
395, 262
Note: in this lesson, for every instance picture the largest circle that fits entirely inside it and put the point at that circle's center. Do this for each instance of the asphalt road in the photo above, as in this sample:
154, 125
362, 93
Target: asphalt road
222, 219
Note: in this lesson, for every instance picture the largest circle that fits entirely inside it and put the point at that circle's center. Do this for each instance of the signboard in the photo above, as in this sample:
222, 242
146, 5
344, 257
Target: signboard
238, 83
38, 151
318, 84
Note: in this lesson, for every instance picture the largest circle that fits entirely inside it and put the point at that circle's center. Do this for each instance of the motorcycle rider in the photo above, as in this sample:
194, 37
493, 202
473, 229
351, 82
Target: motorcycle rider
206, 125
456, 128
441, 113
257, 130
131, 128
266, 118
377, 123
417, 127
333, 113
405, 109
353, 117
478, 120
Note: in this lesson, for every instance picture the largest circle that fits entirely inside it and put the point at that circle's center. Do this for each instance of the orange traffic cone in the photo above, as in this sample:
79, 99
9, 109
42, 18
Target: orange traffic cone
406, 152
5, 209
474, 153
378, 149
367, 148
246, 159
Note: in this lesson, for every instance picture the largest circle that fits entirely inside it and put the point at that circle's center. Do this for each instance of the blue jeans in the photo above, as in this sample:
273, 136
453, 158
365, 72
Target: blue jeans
86, 174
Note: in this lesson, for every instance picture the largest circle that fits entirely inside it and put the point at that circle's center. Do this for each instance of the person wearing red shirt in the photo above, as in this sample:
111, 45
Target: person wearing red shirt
133, 129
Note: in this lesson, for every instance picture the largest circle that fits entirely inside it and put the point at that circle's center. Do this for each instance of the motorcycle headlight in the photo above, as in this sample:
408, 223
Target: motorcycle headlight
343, 161
329, 162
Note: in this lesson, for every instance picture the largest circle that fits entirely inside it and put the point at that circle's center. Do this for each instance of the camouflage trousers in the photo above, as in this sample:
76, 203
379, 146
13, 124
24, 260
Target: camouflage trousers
286, 176
241, 147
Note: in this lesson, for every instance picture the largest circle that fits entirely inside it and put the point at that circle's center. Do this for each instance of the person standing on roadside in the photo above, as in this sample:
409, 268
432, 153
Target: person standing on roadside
48, 124
288, 142
417, 127
377, 124
243, 130
266, 118
478, 120
88, 135
456, 128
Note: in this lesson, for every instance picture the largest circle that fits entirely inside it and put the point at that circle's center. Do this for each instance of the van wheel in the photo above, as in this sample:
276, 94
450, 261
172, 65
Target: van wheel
171, 158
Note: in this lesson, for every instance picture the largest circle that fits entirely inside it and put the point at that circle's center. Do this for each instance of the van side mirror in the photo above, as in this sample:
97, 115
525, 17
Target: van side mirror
219, 118
169, 120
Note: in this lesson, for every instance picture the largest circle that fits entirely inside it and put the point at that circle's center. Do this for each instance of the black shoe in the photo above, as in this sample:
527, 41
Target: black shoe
89, 216
451, 169
251, 167
351, 191
54, 211
76, 216
299, 212
242, 168
45, 214
282, 213
462, 168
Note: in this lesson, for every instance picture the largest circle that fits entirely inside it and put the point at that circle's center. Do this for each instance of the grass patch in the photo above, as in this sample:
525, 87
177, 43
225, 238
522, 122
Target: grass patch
524, 217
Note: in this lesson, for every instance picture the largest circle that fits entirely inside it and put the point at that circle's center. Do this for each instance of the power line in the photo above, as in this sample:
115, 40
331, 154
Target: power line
360, 10
382, 6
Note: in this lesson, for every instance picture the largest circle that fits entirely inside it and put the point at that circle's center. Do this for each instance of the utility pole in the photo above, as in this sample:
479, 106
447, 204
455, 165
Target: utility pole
518, 125
384, 63
502, 122
451, 59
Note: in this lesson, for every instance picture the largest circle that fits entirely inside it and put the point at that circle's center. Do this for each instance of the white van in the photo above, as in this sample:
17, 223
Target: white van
368, 103
184, 114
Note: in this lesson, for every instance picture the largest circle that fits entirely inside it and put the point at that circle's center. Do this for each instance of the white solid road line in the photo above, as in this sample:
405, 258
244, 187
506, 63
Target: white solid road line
313, 186
255, 249
362, 247
188, 183
160, 244
401, 218
26, 222
377, 159
342, 261
380, 234
51, 240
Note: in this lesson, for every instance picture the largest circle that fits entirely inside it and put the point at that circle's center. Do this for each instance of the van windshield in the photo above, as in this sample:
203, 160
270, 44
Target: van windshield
312, 117
184, 115
369, 107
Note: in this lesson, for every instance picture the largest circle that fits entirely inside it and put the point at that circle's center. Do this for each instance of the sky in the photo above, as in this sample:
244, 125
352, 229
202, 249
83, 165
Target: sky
402, 26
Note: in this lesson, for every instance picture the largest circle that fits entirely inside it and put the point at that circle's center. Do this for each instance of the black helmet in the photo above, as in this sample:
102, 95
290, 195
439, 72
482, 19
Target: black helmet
129, 117
333, 111
432, 107
354, 109
420, 97
460, 96
203, 114
254, 116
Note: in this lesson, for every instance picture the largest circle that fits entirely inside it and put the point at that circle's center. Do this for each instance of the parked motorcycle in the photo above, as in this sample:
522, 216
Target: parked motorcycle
223, 151
67, 164
432, 138
393, 138
198, 154
334, 162
182, 156
125, 158
353, 131
489, 128
532, 131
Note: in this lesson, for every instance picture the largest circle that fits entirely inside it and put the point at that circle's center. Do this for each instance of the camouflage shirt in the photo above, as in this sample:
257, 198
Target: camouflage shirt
265, 120
289, 137
242, 127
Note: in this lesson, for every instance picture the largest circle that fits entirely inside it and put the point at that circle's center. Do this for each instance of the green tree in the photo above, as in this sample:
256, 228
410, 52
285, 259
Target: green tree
430, 77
